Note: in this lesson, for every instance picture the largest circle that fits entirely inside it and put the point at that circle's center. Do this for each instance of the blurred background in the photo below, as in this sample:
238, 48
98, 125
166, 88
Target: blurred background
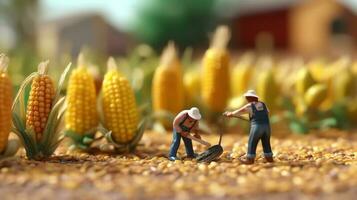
51, 28
288, 35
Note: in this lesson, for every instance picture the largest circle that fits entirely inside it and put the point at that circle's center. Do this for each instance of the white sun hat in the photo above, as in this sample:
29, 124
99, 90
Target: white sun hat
251, 93
194, 113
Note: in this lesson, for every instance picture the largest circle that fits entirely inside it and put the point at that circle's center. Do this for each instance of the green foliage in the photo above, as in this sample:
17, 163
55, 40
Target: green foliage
186, 22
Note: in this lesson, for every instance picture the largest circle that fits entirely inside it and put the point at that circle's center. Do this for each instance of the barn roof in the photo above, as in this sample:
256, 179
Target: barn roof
256, 6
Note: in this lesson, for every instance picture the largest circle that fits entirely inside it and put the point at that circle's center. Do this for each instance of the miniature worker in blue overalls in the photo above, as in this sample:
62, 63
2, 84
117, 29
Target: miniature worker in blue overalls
184, 123
259, 127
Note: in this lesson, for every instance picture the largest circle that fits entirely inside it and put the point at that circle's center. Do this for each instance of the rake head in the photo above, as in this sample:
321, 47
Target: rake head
211, 153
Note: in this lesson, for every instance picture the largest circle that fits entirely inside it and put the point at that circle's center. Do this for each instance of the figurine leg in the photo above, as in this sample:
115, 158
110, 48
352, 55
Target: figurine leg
175, 144
188, 146
253, 140
268, 154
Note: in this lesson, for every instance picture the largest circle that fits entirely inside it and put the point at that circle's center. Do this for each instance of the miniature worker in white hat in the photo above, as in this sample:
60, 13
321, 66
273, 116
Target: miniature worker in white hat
259, 126
185, 122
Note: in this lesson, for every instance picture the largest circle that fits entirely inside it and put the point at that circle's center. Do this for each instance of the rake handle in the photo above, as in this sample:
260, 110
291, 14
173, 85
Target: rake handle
242, 118
198, 140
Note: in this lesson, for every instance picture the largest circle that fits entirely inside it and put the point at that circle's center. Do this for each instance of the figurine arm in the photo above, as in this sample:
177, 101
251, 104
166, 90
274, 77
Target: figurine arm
240, 111
195, 129
178, 119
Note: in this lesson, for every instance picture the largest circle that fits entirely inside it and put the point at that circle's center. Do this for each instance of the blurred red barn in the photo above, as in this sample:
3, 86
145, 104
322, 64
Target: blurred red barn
308, 26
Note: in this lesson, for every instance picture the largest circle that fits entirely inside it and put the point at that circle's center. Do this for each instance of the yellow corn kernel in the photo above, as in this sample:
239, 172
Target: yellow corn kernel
81, 114
215, 88
167, 87
40, 101
5, 103
119, 106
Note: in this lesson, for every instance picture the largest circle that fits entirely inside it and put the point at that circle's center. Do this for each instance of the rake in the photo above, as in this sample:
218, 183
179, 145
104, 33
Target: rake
211, 153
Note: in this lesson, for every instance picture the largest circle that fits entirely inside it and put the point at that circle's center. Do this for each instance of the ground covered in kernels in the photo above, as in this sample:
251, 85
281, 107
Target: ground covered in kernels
319, 166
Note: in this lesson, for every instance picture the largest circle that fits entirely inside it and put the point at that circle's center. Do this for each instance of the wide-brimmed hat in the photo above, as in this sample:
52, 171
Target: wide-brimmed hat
251, 93
194, 113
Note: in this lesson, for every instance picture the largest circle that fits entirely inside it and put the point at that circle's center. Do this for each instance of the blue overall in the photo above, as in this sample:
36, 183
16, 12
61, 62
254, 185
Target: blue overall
259, 130
177, 139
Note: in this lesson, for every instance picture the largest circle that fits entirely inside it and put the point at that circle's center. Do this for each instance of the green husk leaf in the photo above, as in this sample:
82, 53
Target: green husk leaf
28, 141
61, 82
74, 136
87, 140
17, 123
20, 97
81, 141
11, 149
31, 133
49, 134
138, 135
131, 145
52, 148
110, 139
102, 130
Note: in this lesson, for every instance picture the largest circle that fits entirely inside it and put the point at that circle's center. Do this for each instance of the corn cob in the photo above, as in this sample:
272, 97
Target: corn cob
315, 95
344, 85
304, 81
287, 80
241, 75
40, 101
167, 87
236, 102
267, 88
81, 116
5, 103
119, 105
215, 88
192, 86
354, 68
39, 128
319, 70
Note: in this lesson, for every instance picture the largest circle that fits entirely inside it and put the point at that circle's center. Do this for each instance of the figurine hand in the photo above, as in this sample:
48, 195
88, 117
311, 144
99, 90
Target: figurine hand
197, 136
228, 114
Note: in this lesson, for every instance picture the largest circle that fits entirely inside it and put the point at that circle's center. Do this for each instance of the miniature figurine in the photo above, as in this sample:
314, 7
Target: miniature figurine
259, 128
185, 122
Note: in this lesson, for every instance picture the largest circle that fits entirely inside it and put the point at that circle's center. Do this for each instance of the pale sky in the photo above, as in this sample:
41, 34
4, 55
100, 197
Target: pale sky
119, 12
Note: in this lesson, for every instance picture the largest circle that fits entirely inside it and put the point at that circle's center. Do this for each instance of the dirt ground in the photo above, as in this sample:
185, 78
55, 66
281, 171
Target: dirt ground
319, 166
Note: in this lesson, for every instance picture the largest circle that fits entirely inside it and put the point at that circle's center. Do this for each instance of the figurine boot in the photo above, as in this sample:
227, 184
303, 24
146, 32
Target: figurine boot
269, 159
246, 161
